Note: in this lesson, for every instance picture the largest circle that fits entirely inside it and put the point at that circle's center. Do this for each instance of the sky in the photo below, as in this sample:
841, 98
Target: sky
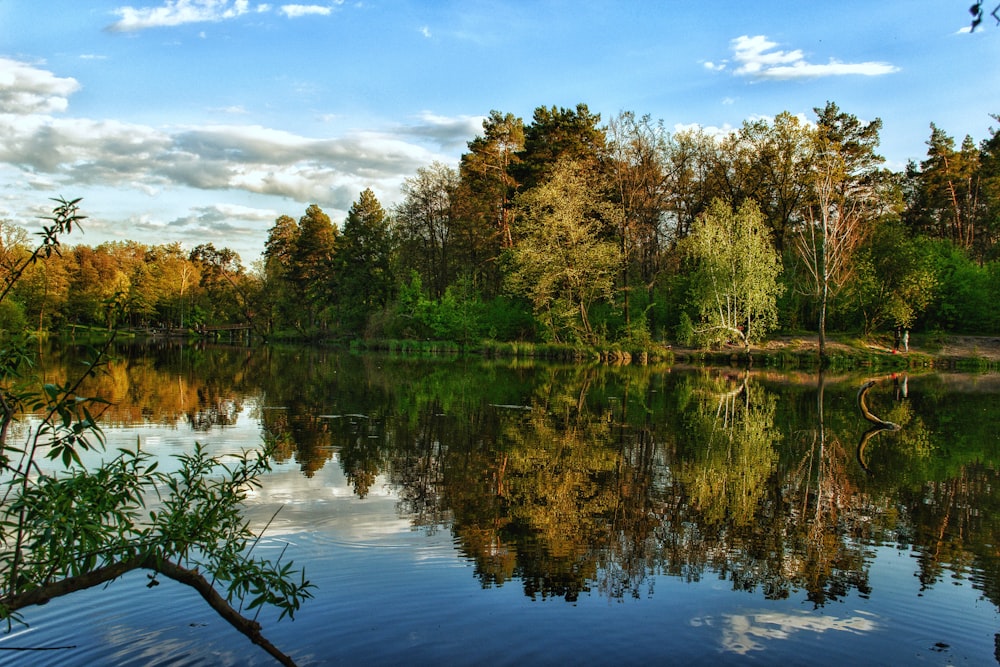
202, 121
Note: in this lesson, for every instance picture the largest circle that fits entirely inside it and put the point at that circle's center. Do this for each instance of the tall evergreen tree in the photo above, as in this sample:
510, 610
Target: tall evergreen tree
312, 263
487, 170
483, 201
363, 277
947, 202
281, 294
556, 135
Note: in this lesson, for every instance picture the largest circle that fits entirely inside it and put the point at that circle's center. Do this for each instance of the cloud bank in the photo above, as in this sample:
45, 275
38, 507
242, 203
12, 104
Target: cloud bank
45, 149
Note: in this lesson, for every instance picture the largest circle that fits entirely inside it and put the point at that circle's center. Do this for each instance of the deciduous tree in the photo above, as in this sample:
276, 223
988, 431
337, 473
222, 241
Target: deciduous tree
562, 263
425, 227
736, 269
844, 202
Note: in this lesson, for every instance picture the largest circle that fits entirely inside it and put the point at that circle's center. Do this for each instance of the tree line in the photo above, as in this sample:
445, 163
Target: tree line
567, 229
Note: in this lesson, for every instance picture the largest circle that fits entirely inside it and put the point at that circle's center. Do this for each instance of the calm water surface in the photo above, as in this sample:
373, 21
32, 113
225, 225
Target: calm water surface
465, 512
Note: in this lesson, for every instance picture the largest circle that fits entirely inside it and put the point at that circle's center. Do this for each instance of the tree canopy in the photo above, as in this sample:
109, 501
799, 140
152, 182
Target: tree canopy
572, 229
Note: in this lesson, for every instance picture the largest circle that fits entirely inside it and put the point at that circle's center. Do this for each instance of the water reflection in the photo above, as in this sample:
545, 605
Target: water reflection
582, 479
744, 633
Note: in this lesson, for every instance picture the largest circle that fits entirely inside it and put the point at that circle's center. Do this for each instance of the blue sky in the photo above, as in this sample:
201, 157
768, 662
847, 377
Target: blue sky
203, 120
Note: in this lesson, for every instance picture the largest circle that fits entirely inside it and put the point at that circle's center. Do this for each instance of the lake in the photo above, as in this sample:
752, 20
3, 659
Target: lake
461, 511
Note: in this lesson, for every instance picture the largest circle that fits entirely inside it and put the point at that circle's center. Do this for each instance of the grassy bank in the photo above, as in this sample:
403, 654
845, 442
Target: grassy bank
974, 354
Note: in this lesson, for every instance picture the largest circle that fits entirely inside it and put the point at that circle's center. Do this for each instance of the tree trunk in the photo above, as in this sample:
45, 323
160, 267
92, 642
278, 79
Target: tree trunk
822, 321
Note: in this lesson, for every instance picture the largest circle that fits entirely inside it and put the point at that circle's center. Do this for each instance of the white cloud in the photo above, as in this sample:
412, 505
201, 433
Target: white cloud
26, 89
180, 12
248, 158
177, 12
234, 109
708, 130
295, 11
759, 58
425, 31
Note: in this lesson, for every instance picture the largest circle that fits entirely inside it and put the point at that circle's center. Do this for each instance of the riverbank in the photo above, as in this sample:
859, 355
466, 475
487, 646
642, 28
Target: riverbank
950, 352
969, 353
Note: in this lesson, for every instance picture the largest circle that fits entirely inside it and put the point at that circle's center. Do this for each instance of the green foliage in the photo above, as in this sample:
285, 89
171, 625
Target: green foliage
684, 332
561, 263
426, 228
508, 319
735, 280
67, 525
362, 278
894, 280
966, 296
12, 316
597, 249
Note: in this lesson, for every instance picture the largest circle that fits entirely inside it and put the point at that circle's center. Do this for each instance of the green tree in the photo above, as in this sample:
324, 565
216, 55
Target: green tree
363, 275
735, 279
486, 169
691, 155
557, 135
312, 263
425, 227
894, 279
484, 199
637, 162
43, 291
846, 198
988, 235
222, 297
280, 293
561, 262
948, 202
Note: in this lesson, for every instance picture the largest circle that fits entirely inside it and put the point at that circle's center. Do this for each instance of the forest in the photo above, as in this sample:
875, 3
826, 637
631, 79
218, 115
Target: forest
567, 229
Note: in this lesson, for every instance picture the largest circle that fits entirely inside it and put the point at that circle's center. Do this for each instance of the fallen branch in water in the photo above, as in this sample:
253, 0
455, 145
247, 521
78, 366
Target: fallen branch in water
41, 595
862, 392
880, 424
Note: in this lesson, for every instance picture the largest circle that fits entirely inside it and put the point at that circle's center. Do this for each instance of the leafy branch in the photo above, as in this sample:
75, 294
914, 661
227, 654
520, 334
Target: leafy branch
78, 527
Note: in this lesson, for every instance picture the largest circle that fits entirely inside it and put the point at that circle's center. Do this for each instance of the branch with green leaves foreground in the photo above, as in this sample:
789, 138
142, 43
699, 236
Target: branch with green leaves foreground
66, 527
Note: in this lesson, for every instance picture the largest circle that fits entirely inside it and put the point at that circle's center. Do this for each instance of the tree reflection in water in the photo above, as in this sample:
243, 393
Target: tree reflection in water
583, 478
